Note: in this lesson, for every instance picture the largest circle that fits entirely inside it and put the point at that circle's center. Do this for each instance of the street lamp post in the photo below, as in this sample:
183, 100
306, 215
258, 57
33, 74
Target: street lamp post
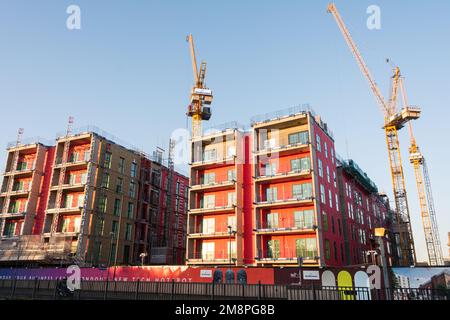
231, 232
143, 255
110, 251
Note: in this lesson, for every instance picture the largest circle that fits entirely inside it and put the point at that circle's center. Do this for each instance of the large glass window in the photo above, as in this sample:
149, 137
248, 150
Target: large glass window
272, 220
271, 194
270, 169
107, 162
306, 248
209, 225
102, 203
302, 191
273, 249
298, 138
209, 177
210, 155
209, 201
304, 219
231, 199
207, 250
231, 175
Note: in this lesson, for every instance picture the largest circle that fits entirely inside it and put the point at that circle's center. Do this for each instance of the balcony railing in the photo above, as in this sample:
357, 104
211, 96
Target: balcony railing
214, 161
213, 181
29, 166
70, 160
286, 224
217, 229
279, 148
282, 173
212, 256
284, 199
289, 256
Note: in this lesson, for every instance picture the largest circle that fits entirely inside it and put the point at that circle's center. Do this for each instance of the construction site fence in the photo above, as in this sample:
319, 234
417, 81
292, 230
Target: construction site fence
38, 289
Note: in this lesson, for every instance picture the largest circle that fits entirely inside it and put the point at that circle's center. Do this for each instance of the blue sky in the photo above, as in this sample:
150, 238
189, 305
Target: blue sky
128, 71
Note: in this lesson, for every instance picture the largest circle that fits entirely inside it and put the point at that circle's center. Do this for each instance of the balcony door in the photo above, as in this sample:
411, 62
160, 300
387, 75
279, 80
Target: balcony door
273, 249
208, 226
208, 251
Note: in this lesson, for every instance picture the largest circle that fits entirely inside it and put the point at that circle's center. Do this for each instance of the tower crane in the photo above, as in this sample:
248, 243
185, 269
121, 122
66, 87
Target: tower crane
426, 201
393, 122
200, 94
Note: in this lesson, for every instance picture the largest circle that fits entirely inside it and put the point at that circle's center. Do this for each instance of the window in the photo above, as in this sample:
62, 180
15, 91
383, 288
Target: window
117, 205
65, 225
10, 229
119, 186
334, 179
319, 147
126, 254
328, 174
115, 228
303, 164
130, 211
330, 198
107, 162
210, 155
128, 232
306, 248
298, 138
270, 169
271, 194
105, 180
209, 201
177, 189
208, 225
122, 165
209, 177
325, 221
322, 194
335, 250
77, 225
69, 201
80, 202
134, 169
273, 249
18, 186
304, 219
231, 245
231, 151
272, 220
333, 226
307, 191
231, 175
332, 160
132, 190
102, 203
319, 162
297, 191
327, 250
207, 250
231, 199
337, 202
232, 222
84, 178
340, 227
325, 145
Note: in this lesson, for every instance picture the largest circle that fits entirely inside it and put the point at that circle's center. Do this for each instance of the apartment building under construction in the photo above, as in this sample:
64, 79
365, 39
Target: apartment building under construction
92, 200
272, 196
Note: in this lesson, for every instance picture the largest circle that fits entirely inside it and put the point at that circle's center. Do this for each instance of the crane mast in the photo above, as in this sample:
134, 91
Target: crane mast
200, 94
392, 123
424, 191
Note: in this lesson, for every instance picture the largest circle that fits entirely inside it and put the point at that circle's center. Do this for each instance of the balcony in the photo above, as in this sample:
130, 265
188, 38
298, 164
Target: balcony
218, 257
73, 161
213, 209
217, 183
66, 210
216, 231
18, 193
286, 226
289, 257
70, 186
284, 176
285, 202
287, 149
13, 215
22, 169
209, 163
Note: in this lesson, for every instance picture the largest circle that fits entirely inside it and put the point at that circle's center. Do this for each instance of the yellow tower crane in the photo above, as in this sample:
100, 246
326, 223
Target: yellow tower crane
393, 122
200, 94
426, 201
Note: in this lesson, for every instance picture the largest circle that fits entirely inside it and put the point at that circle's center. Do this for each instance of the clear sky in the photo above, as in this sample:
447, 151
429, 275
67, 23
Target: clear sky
128, 71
